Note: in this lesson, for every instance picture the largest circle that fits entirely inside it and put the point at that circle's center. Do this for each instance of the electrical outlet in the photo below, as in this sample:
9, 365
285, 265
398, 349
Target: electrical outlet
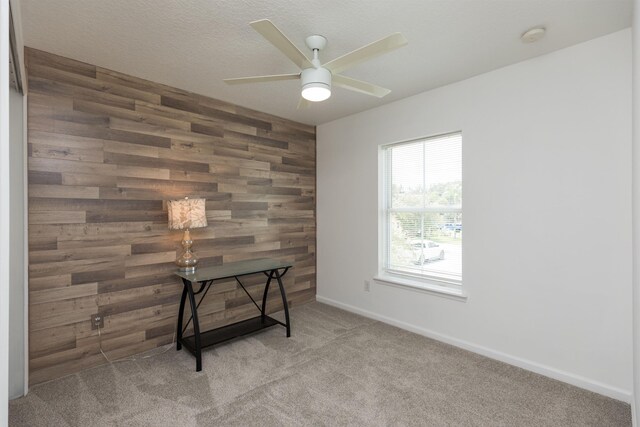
367, 286
97, 321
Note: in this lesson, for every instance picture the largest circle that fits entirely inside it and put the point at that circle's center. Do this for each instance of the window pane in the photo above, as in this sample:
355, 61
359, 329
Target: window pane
424, 206
423, 243
443, 171
426, 173
407, 176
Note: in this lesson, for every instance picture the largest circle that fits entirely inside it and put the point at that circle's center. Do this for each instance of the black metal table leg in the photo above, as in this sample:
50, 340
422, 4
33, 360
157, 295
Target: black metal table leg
263, 312
284, 301
196, 325
194, 343
183, 300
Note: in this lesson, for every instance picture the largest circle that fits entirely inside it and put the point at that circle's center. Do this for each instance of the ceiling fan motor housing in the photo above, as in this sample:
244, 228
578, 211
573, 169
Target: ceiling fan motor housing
318, 79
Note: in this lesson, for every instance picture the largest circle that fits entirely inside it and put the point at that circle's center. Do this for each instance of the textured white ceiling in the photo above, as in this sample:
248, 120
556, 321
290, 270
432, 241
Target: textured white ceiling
194, 44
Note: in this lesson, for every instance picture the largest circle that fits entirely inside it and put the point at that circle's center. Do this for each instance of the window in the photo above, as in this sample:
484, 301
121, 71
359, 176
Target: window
422, 209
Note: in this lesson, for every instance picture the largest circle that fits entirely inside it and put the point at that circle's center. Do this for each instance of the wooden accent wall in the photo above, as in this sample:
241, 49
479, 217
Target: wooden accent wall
106, 151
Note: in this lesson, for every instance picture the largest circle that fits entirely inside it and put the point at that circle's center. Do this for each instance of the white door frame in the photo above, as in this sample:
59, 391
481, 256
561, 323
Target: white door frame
4, 212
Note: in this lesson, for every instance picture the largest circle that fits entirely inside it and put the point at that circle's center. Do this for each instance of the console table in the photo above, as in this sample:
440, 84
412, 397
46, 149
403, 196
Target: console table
204, 277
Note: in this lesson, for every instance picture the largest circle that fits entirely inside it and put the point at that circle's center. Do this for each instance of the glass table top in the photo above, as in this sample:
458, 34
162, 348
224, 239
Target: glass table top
231, 269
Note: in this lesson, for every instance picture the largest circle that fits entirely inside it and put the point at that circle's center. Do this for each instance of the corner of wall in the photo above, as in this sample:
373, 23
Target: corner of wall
635, 405
16, 13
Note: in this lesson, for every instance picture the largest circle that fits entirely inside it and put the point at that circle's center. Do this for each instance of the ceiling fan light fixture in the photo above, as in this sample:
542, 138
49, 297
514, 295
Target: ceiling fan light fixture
316, 92
316, 84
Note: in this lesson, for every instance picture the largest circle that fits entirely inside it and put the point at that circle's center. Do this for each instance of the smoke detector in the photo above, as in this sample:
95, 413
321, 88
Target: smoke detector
533, 35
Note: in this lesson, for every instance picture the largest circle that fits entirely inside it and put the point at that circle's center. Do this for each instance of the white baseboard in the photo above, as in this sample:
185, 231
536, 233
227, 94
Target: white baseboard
634, 413
547, 371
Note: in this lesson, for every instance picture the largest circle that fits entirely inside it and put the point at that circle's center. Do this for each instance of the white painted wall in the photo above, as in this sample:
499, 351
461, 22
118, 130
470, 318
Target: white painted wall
17, 332
636, 211
547, 213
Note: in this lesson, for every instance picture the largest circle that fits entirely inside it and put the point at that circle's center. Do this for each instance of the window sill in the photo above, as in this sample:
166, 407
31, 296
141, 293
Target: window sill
422, 286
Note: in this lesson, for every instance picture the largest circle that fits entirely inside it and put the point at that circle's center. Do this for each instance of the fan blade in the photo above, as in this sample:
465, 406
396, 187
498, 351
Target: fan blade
365, 53
359, 86
259, 79
280, 41
303, 103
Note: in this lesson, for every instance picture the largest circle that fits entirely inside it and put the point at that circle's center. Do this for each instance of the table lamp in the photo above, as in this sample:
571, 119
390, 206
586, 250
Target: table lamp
185, 214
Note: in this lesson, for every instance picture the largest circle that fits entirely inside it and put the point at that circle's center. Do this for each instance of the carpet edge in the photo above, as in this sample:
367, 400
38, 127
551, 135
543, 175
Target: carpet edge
547, 371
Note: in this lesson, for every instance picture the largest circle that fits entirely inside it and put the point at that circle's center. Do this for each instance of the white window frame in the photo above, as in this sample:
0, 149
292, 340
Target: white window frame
430, 282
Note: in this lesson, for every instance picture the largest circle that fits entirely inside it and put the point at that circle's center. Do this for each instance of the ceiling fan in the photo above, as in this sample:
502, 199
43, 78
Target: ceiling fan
317, 78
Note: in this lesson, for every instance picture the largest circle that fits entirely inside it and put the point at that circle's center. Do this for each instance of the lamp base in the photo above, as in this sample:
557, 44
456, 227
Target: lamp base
188, 261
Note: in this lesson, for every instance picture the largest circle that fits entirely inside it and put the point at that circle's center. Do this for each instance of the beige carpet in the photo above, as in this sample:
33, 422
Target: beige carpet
336, 369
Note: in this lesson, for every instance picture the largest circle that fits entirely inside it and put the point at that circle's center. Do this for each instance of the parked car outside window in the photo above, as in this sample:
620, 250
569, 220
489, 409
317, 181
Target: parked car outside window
451, 227
426, 250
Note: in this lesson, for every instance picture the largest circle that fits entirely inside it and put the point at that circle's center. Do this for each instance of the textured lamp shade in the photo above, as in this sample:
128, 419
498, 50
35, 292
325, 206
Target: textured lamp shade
186, 214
